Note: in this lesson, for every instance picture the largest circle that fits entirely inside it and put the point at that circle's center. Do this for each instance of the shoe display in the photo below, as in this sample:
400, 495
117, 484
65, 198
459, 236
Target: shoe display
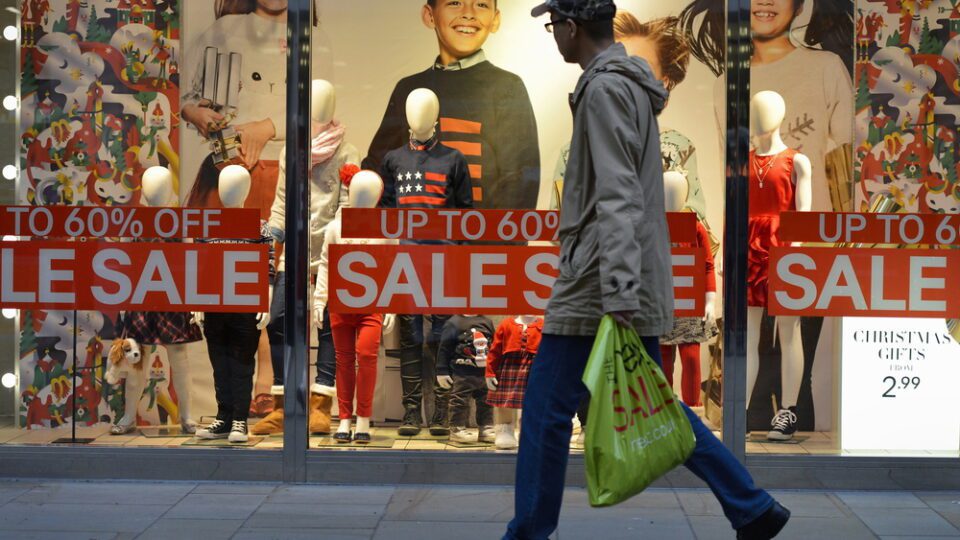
505, 438
238, 432
342, 437
218, 429
440, 423
767, 526
461, 434
122, 430
362, 438
410, 425
261, 405
487, 434
272, 424
784, 425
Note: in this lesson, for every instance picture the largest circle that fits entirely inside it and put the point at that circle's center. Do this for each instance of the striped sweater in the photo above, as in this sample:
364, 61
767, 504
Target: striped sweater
428, 175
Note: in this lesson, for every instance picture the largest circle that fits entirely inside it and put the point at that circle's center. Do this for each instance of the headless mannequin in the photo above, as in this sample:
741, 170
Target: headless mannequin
157, 191
767, 110
505, 419
365, 191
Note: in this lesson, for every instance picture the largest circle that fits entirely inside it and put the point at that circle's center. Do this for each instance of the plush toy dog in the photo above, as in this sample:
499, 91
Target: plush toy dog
126, 362
124, 359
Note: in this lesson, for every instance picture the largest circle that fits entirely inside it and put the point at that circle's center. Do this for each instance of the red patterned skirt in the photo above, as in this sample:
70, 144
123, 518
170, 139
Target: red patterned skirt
157, 327
763, 235
512, 379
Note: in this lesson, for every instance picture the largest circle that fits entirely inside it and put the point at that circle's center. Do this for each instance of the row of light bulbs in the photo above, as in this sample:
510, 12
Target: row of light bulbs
10, 103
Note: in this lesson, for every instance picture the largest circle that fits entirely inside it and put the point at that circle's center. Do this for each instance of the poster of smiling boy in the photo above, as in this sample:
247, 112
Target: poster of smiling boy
485, 111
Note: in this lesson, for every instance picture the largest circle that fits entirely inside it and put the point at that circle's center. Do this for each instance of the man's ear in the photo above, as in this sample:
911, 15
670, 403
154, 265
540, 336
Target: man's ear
426, 15
496, 23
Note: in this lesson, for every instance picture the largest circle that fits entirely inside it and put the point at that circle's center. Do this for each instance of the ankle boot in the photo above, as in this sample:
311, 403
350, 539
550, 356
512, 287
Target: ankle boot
273, 422
319, 413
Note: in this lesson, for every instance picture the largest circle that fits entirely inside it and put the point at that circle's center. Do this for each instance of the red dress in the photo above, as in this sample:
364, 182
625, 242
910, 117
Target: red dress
509, 360
771, 192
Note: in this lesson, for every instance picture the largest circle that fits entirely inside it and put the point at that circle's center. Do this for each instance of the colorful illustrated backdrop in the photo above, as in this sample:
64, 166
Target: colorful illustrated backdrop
908, 103
100, 104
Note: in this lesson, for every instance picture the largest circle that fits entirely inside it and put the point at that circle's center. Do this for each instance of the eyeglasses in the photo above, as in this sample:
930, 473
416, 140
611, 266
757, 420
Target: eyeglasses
549, 26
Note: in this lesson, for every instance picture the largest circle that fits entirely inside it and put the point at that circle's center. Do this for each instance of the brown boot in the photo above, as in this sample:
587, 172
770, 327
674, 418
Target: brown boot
319, 413
273, 422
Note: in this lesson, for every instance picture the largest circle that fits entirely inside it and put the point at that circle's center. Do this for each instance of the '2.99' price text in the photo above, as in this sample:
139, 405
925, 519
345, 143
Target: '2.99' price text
904, 383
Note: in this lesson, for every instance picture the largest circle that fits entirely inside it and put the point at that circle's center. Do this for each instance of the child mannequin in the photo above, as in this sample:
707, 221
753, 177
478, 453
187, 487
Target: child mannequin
171, 330
356, 338
461, 365
780, 180
514, 349
689, 332
232, 338
330, 154
423, 174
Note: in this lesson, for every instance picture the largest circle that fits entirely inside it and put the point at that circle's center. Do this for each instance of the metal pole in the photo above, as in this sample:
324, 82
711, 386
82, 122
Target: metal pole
296, 322
735, 229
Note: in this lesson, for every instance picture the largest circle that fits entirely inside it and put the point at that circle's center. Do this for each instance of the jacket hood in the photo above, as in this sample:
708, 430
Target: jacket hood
616, 60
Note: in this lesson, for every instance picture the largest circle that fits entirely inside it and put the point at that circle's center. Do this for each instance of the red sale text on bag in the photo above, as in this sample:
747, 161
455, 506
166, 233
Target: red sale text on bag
447, 279
641, 402
140, 276
831, 282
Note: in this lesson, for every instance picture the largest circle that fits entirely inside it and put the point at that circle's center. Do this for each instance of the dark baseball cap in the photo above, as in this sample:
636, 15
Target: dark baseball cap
584, 10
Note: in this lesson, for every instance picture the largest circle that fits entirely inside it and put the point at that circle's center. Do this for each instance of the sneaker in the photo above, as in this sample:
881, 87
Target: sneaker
219, 429
784, 425
238, 432
767, 526
411, 423
461, 434
439, 424
505, 438
487, 434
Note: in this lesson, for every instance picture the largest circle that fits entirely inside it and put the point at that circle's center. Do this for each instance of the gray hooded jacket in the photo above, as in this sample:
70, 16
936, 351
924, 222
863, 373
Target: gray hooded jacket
614, 245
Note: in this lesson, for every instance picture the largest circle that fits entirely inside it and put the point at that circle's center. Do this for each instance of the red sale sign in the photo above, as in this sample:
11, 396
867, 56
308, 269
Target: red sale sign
141, 276
832, 282
494, 280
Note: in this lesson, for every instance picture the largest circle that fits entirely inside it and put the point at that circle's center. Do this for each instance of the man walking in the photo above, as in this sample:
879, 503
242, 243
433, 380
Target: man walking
614, 259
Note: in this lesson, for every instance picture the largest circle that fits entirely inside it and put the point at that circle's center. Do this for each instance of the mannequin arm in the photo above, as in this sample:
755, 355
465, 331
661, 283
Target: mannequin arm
263, 319
803, 176
389, 321
320, 292
710, 311
197, 318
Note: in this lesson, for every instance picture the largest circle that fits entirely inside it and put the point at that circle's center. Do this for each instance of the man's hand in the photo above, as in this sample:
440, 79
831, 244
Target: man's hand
203, 118
623, 318
253, 137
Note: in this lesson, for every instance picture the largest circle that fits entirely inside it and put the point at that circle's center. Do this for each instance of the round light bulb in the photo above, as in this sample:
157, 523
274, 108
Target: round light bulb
9, 313
10, 103
10, 172
9, 380
11, 33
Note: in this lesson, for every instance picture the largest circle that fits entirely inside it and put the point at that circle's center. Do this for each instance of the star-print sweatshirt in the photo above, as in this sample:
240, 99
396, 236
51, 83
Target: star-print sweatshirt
425, 175
485, 112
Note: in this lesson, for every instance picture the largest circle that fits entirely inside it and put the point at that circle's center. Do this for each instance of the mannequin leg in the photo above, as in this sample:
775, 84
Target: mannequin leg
132, 391
411, 360
669, 353
219, 349
754, 318
791, 370
502, 415
244, 337
180, 365
690, 380
368, 351
344, 338
441, 396
264, 369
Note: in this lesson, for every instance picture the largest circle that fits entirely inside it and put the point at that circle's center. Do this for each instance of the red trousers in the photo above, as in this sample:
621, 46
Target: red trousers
356, 339
690, 360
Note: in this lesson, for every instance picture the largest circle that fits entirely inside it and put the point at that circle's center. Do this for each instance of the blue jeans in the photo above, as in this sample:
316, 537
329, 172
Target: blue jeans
553, 393
326, 355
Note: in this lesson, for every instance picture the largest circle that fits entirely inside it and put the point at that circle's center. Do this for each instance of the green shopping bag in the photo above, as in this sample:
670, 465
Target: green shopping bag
636, 429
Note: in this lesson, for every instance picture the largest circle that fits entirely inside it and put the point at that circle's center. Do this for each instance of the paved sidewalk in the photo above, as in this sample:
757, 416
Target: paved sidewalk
180, 511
